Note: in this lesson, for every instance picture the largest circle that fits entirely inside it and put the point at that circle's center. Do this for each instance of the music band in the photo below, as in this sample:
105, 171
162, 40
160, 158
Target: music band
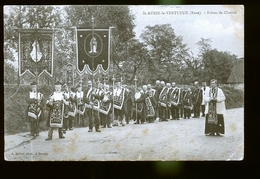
102, 106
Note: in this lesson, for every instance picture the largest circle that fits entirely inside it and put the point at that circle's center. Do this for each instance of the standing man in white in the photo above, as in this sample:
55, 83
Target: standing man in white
215, 110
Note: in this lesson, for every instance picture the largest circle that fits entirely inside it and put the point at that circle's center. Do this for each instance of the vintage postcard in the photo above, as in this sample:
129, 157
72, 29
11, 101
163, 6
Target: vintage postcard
124, 83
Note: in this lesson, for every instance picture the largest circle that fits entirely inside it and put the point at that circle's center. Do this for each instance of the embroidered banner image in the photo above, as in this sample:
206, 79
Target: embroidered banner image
36, 51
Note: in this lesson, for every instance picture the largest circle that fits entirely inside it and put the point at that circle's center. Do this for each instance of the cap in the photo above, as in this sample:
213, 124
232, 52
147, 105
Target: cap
213, 81
58, 83
33, 83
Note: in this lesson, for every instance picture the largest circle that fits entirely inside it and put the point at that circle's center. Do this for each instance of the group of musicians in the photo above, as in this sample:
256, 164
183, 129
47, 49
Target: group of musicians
102, 106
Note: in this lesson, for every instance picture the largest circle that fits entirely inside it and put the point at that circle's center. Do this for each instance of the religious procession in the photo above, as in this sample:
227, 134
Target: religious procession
101, 106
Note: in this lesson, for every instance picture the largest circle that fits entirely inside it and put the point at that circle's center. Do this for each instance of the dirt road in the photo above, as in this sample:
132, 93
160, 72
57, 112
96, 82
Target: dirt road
181, 140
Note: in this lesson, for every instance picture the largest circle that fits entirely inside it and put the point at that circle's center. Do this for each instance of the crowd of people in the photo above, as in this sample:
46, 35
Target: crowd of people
103, 106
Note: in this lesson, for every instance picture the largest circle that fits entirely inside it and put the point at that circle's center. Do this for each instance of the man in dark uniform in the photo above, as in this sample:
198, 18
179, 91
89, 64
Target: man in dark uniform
152, 92
34, 109
80, 117
163, 102
92, 100
119, 93
196, 99
106, 103
70, 109
158, 90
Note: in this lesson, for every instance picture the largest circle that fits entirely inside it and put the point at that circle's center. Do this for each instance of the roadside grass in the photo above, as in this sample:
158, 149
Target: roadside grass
15, 106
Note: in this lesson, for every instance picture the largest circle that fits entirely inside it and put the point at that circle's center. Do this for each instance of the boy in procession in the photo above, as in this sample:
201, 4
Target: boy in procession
34, 109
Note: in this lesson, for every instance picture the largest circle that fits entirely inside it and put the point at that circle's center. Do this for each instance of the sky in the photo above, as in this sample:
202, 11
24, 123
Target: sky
224, 25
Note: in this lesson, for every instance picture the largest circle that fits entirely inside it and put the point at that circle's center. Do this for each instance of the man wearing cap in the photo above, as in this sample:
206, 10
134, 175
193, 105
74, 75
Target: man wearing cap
152, 92
215, 110
92, 100
175, 95
55, 103
203, 90
158, 90
34, 109
196, 99
70, 109
79, 95
105, 106
119, 96
187, 103
163, 102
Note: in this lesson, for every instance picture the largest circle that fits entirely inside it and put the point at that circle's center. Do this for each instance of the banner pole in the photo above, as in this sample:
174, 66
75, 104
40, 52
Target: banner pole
135, 103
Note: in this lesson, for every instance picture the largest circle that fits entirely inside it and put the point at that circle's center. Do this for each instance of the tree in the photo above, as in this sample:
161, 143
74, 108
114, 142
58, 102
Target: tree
218, 65
204, 46
167, 51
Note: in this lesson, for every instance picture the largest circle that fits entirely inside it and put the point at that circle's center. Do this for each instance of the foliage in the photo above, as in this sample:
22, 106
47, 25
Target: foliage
218, 65
167, 51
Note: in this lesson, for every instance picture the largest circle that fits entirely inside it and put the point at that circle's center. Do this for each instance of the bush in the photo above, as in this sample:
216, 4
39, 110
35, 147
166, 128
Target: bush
234, 97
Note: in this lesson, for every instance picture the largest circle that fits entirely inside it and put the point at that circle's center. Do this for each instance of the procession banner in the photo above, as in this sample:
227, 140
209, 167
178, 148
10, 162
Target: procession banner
36, 51
93, 50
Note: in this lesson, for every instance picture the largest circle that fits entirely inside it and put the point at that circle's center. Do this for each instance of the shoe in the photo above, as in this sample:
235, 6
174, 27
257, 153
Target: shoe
103, 126
203, 115
70, 129
64, 132
98, 130
62, 137
218, 134
109, 127
90, 130
177, 119
211, 134
48, 139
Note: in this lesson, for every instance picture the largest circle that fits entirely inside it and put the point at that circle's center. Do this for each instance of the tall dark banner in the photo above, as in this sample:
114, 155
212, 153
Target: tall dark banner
93, 50
36, 51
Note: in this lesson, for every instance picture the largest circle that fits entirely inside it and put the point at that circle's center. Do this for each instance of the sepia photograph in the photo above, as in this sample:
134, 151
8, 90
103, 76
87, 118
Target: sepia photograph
123, 82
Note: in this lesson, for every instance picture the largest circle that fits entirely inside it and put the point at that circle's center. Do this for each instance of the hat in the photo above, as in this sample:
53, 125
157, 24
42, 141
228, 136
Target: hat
213, 81
33, 83
58, 83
